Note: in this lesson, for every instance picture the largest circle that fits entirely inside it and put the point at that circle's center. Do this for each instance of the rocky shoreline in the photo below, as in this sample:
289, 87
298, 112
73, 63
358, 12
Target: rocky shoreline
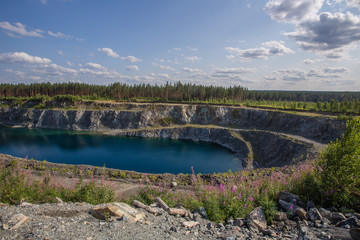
121, 221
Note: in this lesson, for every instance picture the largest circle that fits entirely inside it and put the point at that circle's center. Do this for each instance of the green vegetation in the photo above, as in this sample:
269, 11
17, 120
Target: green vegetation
339, 168
17, 183
334, 102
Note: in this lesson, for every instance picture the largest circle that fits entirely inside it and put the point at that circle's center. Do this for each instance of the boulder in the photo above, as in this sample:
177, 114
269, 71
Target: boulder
190, 224
258, 218
239, 222
352, 222
289, 197
280, 216
314, 214
301, 213
17, 220
117, 210
325, 213
337, 216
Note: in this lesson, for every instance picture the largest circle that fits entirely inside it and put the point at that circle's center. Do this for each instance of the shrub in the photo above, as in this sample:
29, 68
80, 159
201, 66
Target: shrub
339, 168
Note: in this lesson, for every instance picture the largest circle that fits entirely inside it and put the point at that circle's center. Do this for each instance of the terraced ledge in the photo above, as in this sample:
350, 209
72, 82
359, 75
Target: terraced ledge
255, 148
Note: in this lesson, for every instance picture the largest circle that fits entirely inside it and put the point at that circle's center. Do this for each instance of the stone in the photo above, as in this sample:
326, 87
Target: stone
239, 222
355, 233
190, 224
209, 226
258, 218
305, 234
280, 216
17, 220
301, 213
352, 222
337, 216
220, 225
173, 184
22, 203
117, 210
59, 200
288, 207
203, 212
325, 213
314, 214
289, 197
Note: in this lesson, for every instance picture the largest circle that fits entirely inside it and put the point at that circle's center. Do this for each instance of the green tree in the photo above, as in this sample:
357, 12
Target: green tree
340, 168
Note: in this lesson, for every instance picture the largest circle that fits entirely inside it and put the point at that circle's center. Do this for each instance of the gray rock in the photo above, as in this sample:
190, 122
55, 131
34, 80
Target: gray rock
239, 222
314, 214
280, 216
301, 213
289, 197
203, 212
337, 216
325, 213
352, 222
258, 218
306, 234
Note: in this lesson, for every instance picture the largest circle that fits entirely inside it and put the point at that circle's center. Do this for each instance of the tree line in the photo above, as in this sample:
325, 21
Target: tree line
337, 102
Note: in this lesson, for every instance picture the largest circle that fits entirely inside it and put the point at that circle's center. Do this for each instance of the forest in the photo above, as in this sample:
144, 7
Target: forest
334, 102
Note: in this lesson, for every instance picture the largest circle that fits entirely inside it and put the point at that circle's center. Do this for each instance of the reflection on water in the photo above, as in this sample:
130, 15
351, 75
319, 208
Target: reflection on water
138, 154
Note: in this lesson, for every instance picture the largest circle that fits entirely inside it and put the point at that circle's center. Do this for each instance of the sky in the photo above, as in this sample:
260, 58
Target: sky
259, 44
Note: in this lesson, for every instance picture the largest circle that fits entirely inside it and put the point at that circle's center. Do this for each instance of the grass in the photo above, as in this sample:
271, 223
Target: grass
18, 183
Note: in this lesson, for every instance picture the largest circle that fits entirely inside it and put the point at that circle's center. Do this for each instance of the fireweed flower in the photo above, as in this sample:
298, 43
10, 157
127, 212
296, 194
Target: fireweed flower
245, 205
251, 198
232, 189
222, 187
239, 196
291, 207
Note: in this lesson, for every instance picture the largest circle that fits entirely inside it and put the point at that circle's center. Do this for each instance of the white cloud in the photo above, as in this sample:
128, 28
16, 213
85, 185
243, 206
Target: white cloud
109, 52
296, 74
164, 67
293, 10
60, 53
131, 59
132, 68
69, 63
238, 70
268, 49
59, 35
16, 29
328, 32
311, 61
335, 70
354, 3
192, 70
95, 66
22, 57
192, 59
43, 1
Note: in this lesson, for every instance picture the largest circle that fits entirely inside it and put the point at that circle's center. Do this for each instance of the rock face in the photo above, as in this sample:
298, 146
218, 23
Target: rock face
143, 120
132, 116
248, 145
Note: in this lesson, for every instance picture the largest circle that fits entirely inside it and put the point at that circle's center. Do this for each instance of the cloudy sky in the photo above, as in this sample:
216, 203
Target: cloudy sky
259, 44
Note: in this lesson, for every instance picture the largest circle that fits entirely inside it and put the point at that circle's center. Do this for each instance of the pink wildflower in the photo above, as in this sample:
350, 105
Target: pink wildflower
222, 187
291, 207
245, 205
239, 196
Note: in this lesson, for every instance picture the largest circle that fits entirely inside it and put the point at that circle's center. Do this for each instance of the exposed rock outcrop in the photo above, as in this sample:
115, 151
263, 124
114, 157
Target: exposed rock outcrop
135, 116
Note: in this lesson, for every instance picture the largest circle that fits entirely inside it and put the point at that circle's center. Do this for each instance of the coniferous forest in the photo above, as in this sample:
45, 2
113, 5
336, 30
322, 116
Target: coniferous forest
336, 102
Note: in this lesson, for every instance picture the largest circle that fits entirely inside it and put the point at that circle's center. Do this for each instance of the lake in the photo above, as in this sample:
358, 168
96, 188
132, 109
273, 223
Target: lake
137, 154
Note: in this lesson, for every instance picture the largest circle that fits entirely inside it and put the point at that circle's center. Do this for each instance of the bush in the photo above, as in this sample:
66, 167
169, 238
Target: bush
339, 168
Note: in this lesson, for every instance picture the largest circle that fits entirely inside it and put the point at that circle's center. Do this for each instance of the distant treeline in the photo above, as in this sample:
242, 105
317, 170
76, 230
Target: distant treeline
336, 102
176, 91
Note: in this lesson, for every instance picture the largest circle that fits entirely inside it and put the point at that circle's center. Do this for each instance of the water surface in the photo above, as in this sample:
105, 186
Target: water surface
137, 154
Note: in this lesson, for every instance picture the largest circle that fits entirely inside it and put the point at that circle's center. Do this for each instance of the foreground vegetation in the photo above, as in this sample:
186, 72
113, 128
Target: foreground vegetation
334, 102
331, 180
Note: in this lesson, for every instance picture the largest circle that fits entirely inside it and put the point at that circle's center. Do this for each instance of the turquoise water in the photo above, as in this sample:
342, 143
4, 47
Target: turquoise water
137, 154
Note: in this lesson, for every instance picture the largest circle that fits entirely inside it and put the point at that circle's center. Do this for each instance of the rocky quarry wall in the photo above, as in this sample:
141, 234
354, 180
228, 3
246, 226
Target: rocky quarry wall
253, 134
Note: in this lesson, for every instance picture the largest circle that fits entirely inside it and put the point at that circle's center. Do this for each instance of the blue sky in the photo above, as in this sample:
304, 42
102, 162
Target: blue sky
262, 44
